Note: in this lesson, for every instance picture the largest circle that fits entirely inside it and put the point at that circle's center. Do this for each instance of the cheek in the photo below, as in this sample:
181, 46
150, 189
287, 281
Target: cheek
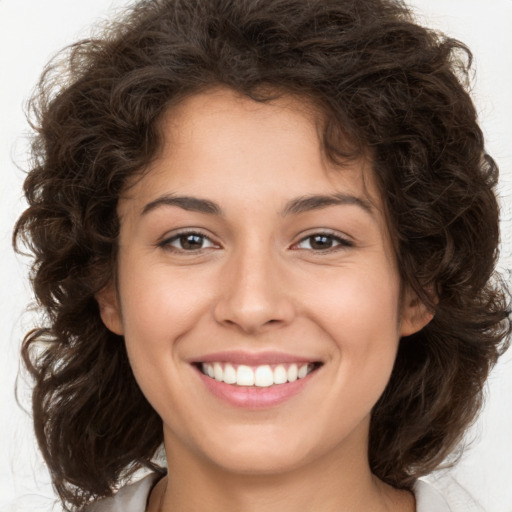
154, 297
359, 306
158, 308
360, 313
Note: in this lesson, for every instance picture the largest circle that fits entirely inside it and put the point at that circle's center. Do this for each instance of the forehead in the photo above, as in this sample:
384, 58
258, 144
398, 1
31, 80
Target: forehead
237, 145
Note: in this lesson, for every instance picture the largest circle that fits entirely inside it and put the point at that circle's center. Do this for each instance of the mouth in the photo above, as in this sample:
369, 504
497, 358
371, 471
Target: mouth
260, 376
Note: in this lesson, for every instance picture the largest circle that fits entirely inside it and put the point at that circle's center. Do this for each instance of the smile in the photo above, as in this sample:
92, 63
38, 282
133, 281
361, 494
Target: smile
258, 376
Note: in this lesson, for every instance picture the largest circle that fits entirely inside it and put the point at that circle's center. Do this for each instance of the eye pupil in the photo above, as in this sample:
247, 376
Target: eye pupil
321, 242
191, 242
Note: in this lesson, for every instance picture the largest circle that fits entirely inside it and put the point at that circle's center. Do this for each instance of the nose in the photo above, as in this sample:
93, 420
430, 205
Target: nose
253, 294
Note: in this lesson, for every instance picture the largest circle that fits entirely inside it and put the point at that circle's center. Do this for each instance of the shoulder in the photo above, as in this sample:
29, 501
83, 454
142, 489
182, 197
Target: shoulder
452, 499
131, 498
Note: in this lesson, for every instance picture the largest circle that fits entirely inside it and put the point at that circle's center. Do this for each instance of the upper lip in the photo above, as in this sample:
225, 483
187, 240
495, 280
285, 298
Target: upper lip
253, 358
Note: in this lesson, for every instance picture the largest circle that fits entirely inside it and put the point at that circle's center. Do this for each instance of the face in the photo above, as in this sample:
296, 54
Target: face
258, 293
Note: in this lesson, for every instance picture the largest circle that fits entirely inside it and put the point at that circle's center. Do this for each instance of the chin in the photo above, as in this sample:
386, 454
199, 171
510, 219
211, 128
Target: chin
263, 456
259, 464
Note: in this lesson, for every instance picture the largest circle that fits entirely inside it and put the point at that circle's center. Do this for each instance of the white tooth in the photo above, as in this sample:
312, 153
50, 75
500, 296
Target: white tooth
280, 376
217, 372
244, 376
263, 377
209, 370
229, 374
303, 371
292, 373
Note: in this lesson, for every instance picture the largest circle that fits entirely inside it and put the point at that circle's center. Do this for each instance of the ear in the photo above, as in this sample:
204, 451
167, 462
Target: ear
415, 315
110, 311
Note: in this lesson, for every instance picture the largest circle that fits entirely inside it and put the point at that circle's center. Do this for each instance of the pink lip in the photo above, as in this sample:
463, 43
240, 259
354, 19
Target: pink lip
254, 397
253, 358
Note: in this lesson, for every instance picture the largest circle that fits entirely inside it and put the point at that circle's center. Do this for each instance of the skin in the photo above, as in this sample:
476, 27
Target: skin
257, 282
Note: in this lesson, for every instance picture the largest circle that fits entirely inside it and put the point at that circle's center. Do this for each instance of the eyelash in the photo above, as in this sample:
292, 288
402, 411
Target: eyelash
340, 243
167, 243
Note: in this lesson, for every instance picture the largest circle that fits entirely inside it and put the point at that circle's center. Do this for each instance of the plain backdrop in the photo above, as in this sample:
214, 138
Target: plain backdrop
31, 31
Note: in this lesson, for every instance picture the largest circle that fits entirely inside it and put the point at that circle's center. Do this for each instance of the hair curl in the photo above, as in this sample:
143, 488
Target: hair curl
393, 88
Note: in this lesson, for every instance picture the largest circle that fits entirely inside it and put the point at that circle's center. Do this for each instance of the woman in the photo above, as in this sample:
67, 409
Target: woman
264, 235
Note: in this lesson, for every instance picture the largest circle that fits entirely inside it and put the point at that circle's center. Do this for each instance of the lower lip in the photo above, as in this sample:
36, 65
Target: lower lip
253, 397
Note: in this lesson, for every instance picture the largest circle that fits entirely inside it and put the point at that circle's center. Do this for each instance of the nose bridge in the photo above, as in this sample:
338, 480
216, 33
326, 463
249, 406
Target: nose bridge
252, 295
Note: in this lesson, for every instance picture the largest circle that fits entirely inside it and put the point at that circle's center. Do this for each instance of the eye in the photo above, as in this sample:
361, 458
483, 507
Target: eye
187, 242
322, 242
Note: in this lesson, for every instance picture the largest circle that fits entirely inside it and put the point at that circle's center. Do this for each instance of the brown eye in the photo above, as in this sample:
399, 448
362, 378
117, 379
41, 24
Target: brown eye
190, 242
323, 242
187, 242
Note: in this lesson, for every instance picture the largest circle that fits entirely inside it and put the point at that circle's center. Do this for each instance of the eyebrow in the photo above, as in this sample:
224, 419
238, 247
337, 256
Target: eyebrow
317, 202
294, 207
193, 204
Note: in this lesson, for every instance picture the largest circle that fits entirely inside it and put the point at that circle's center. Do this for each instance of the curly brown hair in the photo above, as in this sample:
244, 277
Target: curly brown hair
391, 87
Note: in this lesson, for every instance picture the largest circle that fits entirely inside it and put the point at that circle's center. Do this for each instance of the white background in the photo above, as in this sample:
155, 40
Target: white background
31, 31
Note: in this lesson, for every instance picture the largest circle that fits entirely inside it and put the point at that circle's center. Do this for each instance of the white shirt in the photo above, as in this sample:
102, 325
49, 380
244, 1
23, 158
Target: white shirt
134, 497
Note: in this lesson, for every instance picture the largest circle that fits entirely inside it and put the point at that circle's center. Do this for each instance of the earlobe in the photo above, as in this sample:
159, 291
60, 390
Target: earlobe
109, 309
415, 315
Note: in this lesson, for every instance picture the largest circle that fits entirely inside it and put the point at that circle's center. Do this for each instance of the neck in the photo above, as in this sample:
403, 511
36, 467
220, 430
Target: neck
329, 484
